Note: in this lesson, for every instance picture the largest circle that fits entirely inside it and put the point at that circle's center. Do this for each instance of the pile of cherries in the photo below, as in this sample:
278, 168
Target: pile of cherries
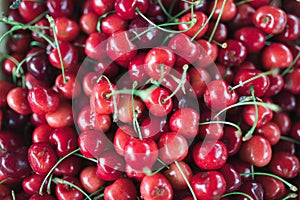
150, 99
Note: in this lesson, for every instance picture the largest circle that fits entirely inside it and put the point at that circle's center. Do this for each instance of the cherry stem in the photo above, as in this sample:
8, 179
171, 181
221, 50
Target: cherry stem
289, 69
238, 132
82, 156
19, 75
290, 139
4, 55
19, 66
186, 180
217, 21
136, 125
180, 85
173, 3
269, 36
100, 19
3, 181
96, 192
49, 184
223, 45
42, 15
52, 25
242, 2
273, 72
291, 186
37, 44
61, 181
53, 168
271, 106
163, 163
100, 196
252, 171
252, 129
290, 196
13, 195
206, 22
238, 193
164, 9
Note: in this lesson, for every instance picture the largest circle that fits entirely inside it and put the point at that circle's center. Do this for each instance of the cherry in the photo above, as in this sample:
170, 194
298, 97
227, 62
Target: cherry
60, 8
32, 183
17, 100
67, 29
259, 85
232, 177
19, 196
107, 68
95, 46
252, 188
20, 44
284, 164
9, 64
89, 180
92, 143
157, 187
43, 100
218, 95
242, 167
159, 62
88, 22
285, 100
126, 110
256, 151
276, 84
68, 167
4, 191
122, 188
154, 127
291, 31
13, 120
243, 16
122, 136
285, 146
175, 177
42, 197
210, 155
276, 55
208, 185
252, 38
61, 117
269, 131
292, 7
102, 6
199, 78
200, 19
127, 8
228, 12
32, 82
42, 158
64, 191
208, 54
112, 23
140, 154
295, 131
273, 188
270, 19
38, 37
264, 115
120, 48
10, 141
110, 166
233, 54
220, 33
5, 88
232, 140
30, 10
291, 82
136, 68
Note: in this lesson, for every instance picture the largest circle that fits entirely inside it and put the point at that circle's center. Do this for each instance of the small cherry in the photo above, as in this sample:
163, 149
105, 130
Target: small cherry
127, 9
89, 180
233, 54
228, 12
60, 8
264, 115
122, 189
65, 191
68, 167
17, 100
67, 30
62, 116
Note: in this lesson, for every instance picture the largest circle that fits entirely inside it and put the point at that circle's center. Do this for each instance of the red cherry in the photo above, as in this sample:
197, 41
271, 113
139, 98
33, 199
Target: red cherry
276, 55
30, 10
42, 197
32, 183
232, 140
102, 6
153, 127
243, 16
17, 100
291, 81
252, 188
285, 100
220, 34
9, 64
4, 191
5, 88
208, 185
67, 29
61, 117
158, 58
127, 8
264, 115
95, 46
276, 84
156, 187
10, 141
133, 173
126, 111
199, 78
270, 131
122, 136
68, 167
273, 188
256, 151
60, 8
200, 19
41, 133
41, 157
232, 177
210, 155
89, 180
113, 23
122, 188
283, 121
270, 19
64, 191
228, 13
291, 31
208, 54
175, 177
233, 54
88, 22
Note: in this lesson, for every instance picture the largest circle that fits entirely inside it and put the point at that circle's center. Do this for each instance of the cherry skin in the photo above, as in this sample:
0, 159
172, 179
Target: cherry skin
232, 177
136, 68
208, 54
140, 154
276, 84
122, 136
291, 31
284, 164
127, 8
95, 46
9, 64
30, 10
88, 23
232, 140
4, 191
17, 100
110, 166
126, 111
154, 127
221, 32
218, 95
102, 6
273, 188
199, 78
61, 117
210, 155
243, 16
32, 183
157, 58
256, 151
233, 54
229, 11
68, 167
60, 8
208, 185
89, 180
276, 55
5, 88
185, 122
291, 82
156, 187
122, 189
175, 177
42, 157
295, 131
10, 141
43, 100
67, 30
270, 19
270, 131
64, 191
285, 100
92, 143
200, 17
113, 23
42, 197
252, 188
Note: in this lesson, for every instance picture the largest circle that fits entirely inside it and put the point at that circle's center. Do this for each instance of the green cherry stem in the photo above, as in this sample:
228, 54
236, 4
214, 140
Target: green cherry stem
136, 125
290, 196
49, 184
291, 186
252, 129
288, 70
238, 193
61, 181
96, 192
217, 21
53, 168
100, 19
173, 3
238, 132
13, 195
252, 171
82, 156
164, 9
290, 139
242, 2
19, 66
3, 181
186, 180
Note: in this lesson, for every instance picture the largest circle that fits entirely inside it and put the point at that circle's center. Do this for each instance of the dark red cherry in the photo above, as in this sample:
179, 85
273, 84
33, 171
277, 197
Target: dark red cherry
5, 88
200, 19
270, 131
127, 8
156, 187
252, 188
292, 81
291, 31
67, 29
229, 10
270, 19
264, 115
32, 184
291, 7
208, 185
153, 127
276, 84
110, 166
232, 139
220, 33
285, 165
282, 119
243, 16
285, 100
14, 120
208, 53
256, 151
199, 79
38, 37
102, 6
92, 143
273, 188
122, 188
218, 95
4, 191
276, 55
18, 44
68, 167
42, 197
42, 158
60, 8
89, 180
62, 116
88, 22
10, 141
295, 132
232, 177
210, 155
17, 100
95, 46
233, 54
64, 191
242, 167
30, 10
113, 23
259, 85
136, 68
